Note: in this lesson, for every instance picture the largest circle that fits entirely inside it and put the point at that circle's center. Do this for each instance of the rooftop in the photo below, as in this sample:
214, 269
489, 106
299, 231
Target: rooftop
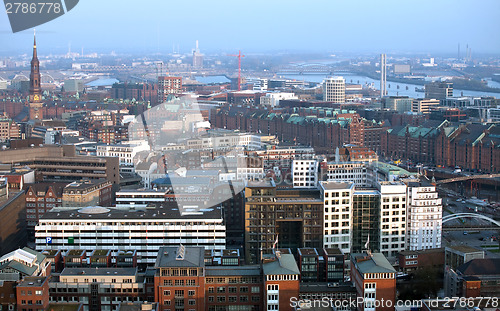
464, 249
99, 271
185, 257
490, 266
376, 263
35, 281
335, 185
163, 210
247, 270
285, 264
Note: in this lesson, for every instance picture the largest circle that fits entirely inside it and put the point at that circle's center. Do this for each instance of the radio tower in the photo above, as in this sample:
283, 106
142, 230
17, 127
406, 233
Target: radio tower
239, 55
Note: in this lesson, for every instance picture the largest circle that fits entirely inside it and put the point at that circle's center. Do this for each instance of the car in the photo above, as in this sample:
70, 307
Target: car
465, 233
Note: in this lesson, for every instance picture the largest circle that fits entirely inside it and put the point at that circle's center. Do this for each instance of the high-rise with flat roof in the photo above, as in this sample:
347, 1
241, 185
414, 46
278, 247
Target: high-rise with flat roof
334, 90
439, 90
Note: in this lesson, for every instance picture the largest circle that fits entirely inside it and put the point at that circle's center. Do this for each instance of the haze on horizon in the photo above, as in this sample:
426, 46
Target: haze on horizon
322, 26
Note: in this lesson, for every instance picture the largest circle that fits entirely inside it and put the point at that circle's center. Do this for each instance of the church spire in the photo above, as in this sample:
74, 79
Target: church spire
35, 87
34, 45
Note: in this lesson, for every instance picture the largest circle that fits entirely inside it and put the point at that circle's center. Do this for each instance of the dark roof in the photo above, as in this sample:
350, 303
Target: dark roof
57, 187
247, 270
490, 266
99, 271
184, 257
165, 210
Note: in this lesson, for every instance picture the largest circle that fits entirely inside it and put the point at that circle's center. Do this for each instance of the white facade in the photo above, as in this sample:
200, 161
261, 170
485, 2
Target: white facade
249, 173
358, 173
225, 141
425, 218
337, 198
334, 90
392, 217
273, 99
124, 151
114, 229
305, 173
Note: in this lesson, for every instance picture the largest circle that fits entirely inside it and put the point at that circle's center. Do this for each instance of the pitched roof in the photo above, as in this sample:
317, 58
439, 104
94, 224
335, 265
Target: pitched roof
284, 265
489, 266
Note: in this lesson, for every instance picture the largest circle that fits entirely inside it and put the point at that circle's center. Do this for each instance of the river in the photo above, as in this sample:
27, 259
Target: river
392, 87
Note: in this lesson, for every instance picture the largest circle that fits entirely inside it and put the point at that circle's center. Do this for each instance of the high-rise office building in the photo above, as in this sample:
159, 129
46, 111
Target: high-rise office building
168, 86
425, 216
334, 90
424, 105
439, 90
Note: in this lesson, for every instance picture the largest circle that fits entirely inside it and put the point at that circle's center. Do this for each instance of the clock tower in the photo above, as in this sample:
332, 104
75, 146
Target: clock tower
35, 104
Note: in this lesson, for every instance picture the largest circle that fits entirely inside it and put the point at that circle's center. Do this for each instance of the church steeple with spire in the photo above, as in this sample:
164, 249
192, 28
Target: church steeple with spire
35, 87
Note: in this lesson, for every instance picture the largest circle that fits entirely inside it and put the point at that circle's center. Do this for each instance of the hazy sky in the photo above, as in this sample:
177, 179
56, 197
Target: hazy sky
266, 26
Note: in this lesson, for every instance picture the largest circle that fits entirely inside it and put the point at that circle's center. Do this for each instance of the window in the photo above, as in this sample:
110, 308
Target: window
166, 293
191, 293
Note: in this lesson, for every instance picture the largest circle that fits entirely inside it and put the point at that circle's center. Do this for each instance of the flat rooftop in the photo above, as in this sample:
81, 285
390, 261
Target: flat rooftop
464, 249
163, 210
248, 270
307, 252
334, 185
99, 271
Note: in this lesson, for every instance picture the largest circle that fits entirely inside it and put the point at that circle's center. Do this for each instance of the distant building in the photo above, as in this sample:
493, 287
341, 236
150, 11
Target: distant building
401, 69
439, 90
168, 86
73, 85
424, 105
401, 104
334, 90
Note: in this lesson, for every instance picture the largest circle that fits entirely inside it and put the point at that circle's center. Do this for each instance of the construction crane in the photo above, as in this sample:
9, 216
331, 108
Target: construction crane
239, 55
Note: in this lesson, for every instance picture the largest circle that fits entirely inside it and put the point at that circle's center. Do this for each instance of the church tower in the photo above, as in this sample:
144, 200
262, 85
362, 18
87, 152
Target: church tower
35, 104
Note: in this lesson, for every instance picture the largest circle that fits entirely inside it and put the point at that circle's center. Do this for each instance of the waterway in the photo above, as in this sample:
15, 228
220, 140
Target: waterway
392, 87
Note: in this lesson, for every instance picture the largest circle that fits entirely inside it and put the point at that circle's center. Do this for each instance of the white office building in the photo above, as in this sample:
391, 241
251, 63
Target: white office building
125, 151
360, 174
425, 216
392, 217
337, 224
273, 99
334, 90
145, 230
305, 173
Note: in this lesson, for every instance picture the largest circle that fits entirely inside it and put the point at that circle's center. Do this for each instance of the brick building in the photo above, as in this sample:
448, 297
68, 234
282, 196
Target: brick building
87, 193
41, 197
410, 261
374, 279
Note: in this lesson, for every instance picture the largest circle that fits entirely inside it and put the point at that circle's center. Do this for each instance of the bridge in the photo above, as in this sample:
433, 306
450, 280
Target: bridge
464, 178
313, 68
470, 215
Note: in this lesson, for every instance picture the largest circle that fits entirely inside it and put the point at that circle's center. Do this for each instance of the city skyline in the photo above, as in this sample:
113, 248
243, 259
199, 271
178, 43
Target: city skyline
415, 27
